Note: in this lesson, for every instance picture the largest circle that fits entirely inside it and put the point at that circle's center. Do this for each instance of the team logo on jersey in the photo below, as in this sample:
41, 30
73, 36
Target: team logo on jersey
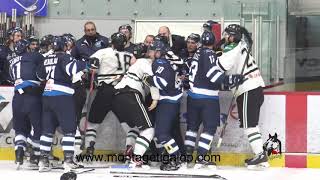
98, 44
273, 146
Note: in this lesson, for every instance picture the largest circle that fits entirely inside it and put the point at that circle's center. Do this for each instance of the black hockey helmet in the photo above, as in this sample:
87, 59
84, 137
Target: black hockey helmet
21, 46
58, 43
125, 26
207, 26
195, 37
207, 38
139, 50
118, 40
234, 30
163, 39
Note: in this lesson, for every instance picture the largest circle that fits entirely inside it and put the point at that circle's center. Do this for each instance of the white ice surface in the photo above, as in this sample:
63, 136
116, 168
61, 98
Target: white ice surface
8, 172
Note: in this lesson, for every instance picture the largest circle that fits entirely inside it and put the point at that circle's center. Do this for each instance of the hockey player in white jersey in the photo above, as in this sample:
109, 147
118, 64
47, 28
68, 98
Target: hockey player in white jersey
249, 95
114, 62
131, 93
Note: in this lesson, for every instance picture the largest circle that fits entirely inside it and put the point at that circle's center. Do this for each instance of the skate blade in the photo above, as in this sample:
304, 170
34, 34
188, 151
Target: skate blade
208, 167
18, 166
259, 167
32, 166
44, 169
184, 166
143, 167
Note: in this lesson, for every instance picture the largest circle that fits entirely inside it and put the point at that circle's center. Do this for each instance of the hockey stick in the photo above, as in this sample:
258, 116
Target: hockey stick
14, 18
162, 175
223, 131
1, 29
89, 100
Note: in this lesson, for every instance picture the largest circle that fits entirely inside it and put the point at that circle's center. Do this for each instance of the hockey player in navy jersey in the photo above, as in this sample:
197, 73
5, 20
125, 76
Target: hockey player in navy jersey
26, 104
203, 100
114, 62
165, 79
249, 95
58, 103
7, 53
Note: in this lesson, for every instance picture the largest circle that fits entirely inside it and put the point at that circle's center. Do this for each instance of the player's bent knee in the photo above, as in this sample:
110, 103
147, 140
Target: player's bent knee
148, 133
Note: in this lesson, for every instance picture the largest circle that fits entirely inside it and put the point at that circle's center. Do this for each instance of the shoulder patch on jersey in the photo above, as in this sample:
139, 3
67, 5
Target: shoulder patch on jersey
161, 61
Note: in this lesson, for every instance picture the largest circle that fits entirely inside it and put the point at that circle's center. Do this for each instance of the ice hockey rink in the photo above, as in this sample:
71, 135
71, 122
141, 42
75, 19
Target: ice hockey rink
7, 171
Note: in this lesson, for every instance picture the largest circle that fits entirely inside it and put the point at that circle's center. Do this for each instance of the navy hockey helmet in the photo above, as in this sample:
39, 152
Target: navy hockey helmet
15, 30
45, 41
69, 38
33, 39
21, 46
163, 39
118, 40
234, 30
159, 46
207, 38
58, 43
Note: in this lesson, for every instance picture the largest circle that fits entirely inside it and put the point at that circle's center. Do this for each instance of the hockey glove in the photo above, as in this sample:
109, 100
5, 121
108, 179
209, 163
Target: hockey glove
94, 63
146, 79
234, 80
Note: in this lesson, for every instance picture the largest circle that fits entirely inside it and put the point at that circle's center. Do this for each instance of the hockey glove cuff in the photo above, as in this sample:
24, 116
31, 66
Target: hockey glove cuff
94, 63
147, 80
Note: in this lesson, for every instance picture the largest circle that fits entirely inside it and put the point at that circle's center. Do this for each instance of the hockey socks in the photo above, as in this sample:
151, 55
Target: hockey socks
131, 137
204, 144
171, 147
45, 143
77, 142
20, 141
68, 144
255, 140
143, 141
190, 139
91, 133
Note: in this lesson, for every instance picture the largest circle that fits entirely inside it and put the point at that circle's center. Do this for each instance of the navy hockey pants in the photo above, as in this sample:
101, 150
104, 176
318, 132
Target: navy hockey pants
58, 111
26, 110
206, 111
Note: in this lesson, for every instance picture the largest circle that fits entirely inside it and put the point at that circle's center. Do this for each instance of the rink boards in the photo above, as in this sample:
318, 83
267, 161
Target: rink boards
294, 116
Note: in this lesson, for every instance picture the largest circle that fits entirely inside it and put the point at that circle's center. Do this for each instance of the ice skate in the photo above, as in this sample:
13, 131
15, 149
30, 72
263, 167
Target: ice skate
171, 165
70, 165
128, 154
259, 162
19, 157
90, 149
137, 163
201, 163
44, 164
33, 161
